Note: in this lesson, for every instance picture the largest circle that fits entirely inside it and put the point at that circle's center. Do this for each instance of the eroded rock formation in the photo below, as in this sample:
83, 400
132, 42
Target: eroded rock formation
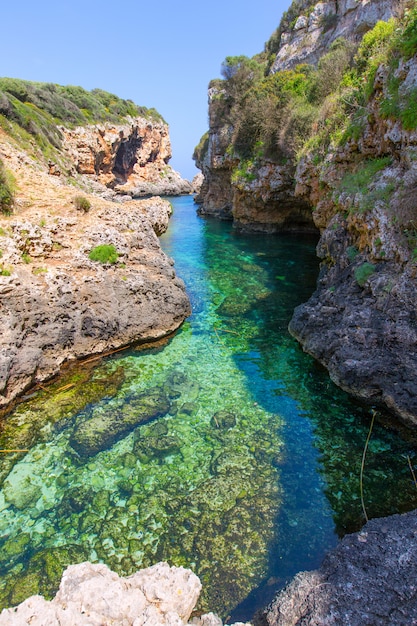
58, 305
132, 158
262, 197
370, 578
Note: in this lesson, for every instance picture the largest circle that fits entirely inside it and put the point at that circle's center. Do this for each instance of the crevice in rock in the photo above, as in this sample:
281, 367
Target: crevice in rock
126, 157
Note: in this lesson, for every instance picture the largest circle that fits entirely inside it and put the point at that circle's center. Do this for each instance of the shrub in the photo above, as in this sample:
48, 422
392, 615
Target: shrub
408, 38
358, 181
328, 21
82, 203
200, 151
6, 190
363, 272
104, 253
352, 252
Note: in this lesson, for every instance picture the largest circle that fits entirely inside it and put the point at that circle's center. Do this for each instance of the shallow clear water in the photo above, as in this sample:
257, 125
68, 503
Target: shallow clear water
247, 468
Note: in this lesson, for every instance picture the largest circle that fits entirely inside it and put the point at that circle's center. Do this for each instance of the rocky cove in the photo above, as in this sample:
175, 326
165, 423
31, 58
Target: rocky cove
129, 463
223, 449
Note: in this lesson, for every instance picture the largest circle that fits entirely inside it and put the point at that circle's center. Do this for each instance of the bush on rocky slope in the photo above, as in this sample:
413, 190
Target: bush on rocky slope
32, 111
6, 190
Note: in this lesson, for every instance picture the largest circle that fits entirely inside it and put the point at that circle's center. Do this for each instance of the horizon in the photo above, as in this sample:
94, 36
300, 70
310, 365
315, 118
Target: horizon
166, 65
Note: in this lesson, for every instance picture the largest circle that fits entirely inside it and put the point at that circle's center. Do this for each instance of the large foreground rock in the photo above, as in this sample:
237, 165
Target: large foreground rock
93, 595
370, 579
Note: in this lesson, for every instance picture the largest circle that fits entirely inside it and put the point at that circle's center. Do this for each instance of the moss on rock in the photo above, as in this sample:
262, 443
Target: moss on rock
103, 428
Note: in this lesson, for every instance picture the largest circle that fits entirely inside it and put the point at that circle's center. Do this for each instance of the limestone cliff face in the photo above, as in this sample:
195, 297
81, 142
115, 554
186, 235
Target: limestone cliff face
264, 199
319, 24
132, 158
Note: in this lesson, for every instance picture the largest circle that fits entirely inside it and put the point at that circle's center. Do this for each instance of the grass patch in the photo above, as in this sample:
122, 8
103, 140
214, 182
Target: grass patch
358, 181
82, 203
363, 272
104, 254
39, 270
26, 258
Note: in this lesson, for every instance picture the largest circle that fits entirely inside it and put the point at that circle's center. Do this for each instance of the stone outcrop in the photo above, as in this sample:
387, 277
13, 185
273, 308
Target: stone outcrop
57, 305
264, 199
361, 321
370, 578
93, 595
268, 203
319, 24
132, 158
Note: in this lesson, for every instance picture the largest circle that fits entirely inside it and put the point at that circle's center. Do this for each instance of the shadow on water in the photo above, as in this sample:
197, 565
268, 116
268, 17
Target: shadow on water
227, 449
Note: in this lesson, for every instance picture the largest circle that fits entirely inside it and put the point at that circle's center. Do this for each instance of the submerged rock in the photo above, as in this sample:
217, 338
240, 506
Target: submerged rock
223, 419
105, 427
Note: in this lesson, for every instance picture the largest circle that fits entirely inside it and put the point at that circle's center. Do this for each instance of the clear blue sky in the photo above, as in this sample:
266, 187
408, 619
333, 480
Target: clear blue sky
160, 54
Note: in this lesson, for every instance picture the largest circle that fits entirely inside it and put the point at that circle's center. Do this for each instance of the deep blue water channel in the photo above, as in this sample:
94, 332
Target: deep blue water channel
249, 473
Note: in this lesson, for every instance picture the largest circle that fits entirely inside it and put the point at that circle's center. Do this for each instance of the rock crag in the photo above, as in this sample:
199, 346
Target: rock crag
370, 578
132, 158
319, 24
57, 305
257, 192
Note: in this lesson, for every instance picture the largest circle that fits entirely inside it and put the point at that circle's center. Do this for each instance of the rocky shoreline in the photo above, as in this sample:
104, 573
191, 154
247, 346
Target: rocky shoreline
59, 305
368, 578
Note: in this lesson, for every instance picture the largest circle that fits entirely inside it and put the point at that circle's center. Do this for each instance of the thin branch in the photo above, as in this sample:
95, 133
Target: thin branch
363, 464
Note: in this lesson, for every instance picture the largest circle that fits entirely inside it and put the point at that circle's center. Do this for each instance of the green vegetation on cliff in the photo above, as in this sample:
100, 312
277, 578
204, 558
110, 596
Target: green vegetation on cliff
274, 115
284, 115
6, 190
32, 112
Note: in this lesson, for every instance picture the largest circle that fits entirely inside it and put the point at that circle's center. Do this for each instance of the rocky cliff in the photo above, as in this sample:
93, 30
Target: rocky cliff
94, 138
360, 323
81, 271
246, 179
132, 157
332, 148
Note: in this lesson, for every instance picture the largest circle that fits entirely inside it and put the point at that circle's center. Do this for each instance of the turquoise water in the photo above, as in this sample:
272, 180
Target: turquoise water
225, 449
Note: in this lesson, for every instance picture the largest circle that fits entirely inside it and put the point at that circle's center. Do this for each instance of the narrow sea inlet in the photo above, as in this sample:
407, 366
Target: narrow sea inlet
225, 449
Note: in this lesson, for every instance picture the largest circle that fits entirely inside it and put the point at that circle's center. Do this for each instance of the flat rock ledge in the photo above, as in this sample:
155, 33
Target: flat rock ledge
93, 595
369, 579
